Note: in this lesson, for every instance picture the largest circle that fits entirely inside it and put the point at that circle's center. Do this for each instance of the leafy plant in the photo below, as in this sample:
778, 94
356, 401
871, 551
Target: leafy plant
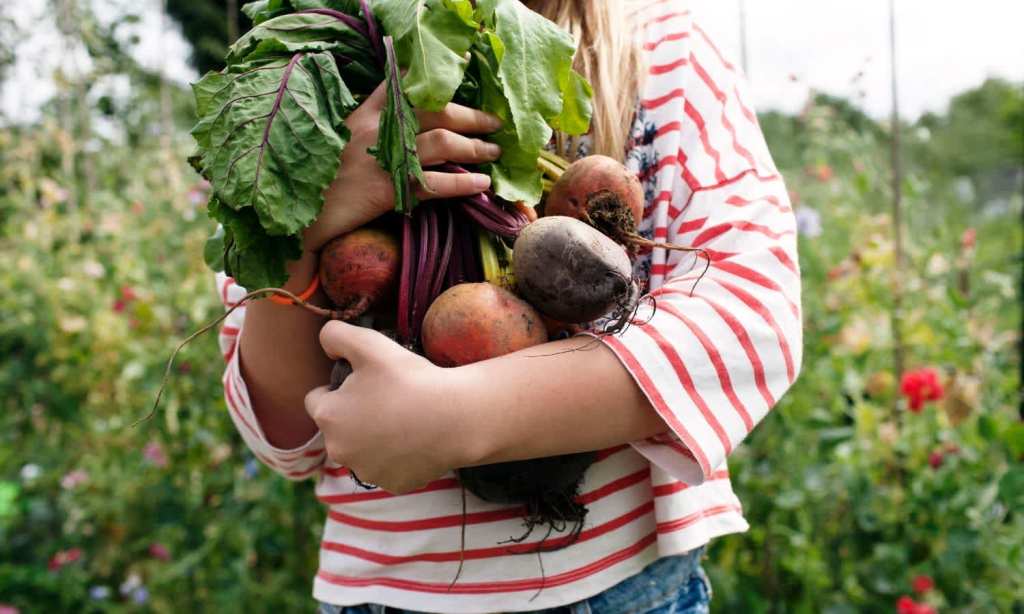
271, 124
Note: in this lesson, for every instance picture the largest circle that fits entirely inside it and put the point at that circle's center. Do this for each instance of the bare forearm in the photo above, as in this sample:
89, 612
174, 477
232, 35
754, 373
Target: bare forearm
282, 361
585, 400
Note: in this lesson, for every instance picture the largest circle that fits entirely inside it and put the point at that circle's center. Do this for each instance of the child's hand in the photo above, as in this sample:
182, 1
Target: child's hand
395, 421
363, 191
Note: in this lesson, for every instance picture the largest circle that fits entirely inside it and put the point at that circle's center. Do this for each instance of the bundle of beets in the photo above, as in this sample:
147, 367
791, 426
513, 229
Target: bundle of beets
459, 281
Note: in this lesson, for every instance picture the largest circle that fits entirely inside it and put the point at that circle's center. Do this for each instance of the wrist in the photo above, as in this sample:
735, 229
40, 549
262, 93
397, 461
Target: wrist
472, 433
301, 272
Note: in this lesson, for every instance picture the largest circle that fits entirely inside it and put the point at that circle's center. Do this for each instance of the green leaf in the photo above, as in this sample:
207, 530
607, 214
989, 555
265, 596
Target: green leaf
576, 108
261, 11
249, 255
396, 138
1011, 487
534, 72
431, 42
289, 34
1013, 435
272, 135
214, 250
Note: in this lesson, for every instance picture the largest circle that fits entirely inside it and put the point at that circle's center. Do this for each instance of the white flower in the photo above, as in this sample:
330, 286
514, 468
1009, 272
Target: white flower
93, 269
30, 472
132, 582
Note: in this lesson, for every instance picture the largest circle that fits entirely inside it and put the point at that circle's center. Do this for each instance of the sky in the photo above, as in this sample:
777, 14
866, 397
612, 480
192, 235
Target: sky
943, 47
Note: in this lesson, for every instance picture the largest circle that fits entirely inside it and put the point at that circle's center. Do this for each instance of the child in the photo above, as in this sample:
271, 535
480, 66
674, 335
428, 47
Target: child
665, 401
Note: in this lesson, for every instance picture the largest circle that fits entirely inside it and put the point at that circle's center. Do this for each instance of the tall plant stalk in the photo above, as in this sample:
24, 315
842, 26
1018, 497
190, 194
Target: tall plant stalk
898, 356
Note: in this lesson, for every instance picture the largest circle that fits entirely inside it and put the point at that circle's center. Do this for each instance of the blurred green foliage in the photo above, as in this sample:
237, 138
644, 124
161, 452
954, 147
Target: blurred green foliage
849, 494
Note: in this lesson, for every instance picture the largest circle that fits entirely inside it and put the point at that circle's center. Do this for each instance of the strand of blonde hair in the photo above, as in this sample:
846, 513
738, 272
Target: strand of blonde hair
609, 57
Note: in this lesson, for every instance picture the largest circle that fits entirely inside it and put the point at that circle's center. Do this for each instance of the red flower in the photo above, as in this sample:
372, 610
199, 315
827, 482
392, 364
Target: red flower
935, 460
119, 306
159, 551
64, 557
922, 584
822, 172
921, 385
128, 294
906, 605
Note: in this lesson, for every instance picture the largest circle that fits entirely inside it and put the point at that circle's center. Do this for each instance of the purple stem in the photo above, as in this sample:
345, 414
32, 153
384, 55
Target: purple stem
446, 253
405, 283
473, 270
349, 20
491, 218
424, 268
456, 267
371, 29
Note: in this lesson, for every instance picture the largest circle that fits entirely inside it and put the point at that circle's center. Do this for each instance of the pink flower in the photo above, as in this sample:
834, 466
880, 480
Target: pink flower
73, 479
159, 551
935, 460
968, 239
154, 453
922, 584
119, 306
128, 294
64, 557
8, 609
921, 385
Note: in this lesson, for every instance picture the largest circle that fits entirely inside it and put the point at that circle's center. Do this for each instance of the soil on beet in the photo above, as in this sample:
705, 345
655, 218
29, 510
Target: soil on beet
606, 212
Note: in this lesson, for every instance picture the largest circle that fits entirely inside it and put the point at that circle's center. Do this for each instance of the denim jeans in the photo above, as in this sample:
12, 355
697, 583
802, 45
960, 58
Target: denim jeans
670, 585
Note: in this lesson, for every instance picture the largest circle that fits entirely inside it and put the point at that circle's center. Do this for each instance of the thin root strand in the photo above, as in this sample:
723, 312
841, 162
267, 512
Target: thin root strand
262, 292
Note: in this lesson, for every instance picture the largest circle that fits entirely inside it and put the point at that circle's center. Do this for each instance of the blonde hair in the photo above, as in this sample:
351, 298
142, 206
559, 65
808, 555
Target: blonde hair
609, 57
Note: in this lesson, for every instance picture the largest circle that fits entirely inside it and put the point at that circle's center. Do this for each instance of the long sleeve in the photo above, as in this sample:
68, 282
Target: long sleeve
712, 352
295, 464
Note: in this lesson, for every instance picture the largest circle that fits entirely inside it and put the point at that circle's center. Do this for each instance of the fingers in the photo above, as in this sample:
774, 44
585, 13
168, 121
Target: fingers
458, 118
355, 344
451, 185
442, 145
377, 98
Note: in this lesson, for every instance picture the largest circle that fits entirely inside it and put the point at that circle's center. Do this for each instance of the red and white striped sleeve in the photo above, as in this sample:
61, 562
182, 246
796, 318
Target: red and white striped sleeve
712, 353
296, 464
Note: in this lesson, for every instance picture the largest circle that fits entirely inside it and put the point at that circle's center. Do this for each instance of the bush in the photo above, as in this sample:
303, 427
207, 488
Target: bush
850, 494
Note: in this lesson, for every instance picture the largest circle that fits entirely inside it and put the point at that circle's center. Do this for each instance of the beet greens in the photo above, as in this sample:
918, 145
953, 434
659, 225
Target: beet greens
271, 123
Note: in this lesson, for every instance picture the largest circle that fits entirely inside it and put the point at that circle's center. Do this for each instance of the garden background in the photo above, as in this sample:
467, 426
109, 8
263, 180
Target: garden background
864, 492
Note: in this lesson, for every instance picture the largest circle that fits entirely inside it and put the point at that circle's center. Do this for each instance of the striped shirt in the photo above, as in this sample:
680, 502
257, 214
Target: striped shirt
712, 359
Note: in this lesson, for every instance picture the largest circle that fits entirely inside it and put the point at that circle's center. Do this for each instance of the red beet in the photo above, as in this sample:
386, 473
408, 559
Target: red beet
359, 270
472, 322
602, 192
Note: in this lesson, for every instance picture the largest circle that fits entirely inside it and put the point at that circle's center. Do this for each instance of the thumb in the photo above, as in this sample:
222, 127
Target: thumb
356, 344
314, 400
